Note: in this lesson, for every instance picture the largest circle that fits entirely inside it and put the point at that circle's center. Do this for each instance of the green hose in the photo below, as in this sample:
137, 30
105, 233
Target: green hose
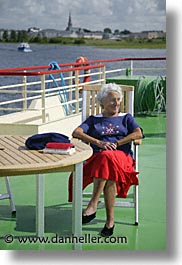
150, 95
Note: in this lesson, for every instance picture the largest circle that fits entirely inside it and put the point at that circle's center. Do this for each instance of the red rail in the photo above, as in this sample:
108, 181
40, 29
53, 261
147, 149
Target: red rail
16, 71
30, 71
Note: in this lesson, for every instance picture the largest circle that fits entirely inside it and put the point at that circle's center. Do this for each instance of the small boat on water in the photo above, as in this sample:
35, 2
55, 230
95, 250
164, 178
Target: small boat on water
24, 47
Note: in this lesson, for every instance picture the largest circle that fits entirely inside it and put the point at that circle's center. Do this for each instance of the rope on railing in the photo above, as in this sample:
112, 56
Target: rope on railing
63, 94
60, 69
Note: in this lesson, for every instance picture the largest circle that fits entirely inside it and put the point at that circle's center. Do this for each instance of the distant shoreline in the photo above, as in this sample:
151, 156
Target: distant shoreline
106, 43
129, 43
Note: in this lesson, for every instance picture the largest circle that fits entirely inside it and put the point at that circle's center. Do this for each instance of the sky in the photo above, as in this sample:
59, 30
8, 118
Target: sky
133, 15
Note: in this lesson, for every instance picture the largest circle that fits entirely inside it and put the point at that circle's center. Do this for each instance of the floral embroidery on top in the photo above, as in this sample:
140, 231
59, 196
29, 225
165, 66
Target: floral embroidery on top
110, 129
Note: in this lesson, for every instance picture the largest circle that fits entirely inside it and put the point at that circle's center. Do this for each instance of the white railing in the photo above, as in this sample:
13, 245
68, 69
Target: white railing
32, 83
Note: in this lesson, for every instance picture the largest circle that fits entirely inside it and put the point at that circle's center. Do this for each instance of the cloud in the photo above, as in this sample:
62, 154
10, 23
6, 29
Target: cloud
135, 15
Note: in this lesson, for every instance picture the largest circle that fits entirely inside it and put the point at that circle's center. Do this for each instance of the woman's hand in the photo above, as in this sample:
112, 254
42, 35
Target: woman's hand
107, 145
78, 133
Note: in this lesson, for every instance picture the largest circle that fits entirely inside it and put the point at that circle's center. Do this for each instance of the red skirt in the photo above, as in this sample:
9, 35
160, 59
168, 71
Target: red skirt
110, 165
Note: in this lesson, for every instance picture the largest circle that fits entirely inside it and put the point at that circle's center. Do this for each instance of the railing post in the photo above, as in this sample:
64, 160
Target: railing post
131, 66
43, 98
24, 92
103, 69
70, 85
77, 91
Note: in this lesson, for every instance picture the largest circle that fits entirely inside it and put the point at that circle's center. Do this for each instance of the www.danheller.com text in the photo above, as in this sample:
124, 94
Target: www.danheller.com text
84, 239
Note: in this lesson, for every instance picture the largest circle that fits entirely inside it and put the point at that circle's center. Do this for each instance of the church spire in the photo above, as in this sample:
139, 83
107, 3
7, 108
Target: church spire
69, 22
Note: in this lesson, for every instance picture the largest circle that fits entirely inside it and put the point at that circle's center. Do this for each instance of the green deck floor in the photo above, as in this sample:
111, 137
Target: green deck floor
150, 234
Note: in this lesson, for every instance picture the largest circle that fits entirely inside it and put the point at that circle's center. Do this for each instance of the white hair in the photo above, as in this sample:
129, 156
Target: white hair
106, 89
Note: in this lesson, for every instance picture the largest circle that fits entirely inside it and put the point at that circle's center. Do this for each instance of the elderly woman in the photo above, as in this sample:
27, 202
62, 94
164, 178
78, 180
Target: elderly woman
111, 167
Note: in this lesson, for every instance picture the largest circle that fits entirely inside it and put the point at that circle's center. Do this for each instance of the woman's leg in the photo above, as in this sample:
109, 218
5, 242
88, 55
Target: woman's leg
98, 187
109, 198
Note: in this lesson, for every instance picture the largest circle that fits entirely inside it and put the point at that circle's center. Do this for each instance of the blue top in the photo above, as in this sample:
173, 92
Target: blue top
110, 129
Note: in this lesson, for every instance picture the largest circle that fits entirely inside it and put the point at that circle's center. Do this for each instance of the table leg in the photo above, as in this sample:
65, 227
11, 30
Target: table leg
40, 205
77, 205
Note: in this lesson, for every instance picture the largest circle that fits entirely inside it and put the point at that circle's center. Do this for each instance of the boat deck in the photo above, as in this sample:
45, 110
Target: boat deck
150, 234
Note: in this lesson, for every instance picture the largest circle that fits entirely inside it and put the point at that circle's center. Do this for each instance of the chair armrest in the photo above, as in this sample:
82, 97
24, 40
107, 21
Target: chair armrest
137, 142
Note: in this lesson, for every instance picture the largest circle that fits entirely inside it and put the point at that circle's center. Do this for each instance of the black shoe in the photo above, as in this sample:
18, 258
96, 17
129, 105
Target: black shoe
106, 232
87, 218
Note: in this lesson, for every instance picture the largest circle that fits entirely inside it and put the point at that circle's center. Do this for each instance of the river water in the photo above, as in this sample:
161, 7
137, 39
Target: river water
44, 54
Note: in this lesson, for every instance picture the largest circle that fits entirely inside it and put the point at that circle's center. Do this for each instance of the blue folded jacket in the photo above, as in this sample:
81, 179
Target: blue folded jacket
39, 141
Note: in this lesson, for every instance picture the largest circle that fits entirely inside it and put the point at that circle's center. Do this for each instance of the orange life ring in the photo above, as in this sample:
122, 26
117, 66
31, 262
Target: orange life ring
81, 60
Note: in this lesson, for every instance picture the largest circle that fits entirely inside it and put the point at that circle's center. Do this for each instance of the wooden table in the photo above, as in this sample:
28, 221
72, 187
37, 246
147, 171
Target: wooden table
16, 159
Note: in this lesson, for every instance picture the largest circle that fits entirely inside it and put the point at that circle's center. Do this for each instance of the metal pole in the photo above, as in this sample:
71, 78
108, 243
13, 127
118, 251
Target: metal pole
24, 92
43, 98
40, 205
77, 205
131, 67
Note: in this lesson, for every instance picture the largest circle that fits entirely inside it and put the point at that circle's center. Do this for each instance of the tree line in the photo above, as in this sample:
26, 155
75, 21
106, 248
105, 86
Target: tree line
23, 35
18, 36
14, 36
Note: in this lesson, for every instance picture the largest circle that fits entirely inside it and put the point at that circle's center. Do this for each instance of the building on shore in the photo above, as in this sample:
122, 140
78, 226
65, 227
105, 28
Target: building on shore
69, 32
78, 32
